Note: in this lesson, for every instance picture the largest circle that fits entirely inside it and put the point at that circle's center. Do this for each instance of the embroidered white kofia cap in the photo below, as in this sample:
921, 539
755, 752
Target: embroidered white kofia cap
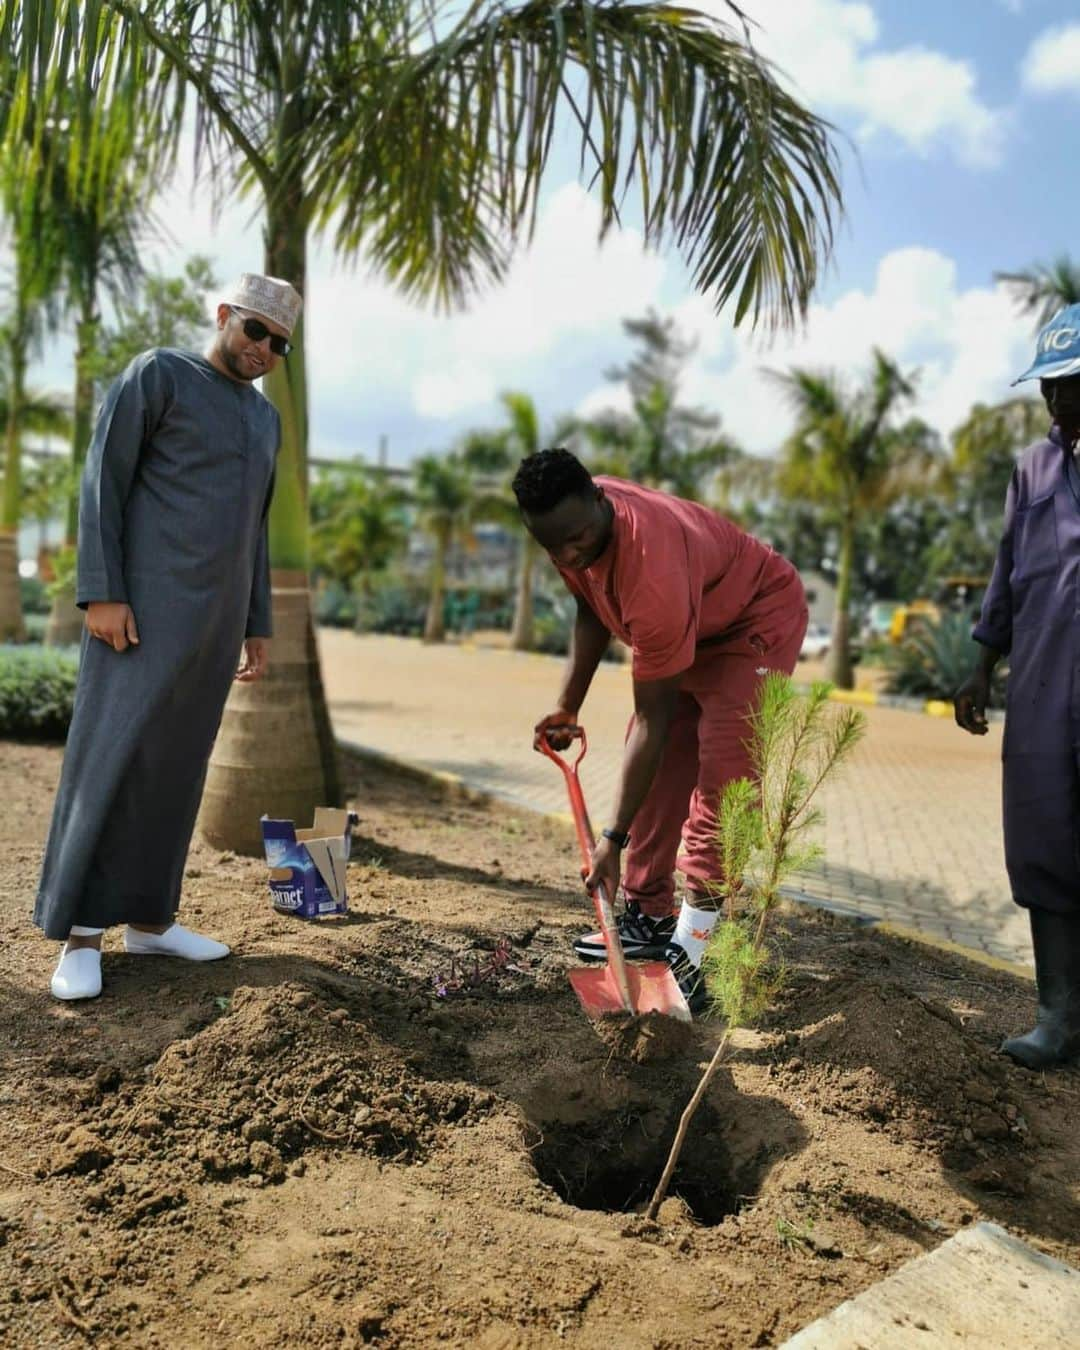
269, 297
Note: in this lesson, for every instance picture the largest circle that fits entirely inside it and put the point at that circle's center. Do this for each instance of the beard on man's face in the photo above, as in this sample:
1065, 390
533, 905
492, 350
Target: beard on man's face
240, 365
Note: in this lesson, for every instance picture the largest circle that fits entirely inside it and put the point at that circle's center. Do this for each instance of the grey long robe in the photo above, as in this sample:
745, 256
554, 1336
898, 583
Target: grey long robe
172, 521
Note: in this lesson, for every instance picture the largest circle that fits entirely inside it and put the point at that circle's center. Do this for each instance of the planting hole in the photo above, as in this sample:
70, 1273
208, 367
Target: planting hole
614, 1164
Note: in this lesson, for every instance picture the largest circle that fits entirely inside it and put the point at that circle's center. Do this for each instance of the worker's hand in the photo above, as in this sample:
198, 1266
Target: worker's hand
112, 623
606, 867
969, 703
556, 727
255, 659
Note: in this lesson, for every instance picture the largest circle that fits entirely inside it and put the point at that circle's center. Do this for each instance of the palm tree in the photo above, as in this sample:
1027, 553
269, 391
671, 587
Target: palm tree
663, 443
497, 454
421, 142
443, 493
848, 454
34, 252
99, 256
46, 482
1044, 288
358, 525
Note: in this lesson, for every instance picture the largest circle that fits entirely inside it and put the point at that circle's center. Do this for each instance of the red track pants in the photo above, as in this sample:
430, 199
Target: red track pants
706, 748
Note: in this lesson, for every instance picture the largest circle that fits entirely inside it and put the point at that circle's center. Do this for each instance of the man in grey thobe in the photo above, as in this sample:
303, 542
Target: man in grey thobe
1032, 613
173, 572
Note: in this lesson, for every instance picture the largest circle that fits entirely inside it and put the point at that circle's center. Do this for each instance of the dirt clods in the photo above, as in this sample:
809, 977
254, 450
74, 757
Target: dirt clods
648, 1039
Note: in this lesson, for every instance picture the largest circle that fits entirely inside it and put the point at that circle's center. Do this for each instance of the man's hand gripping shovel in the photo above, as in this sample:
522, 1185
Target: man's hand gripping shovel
645, 986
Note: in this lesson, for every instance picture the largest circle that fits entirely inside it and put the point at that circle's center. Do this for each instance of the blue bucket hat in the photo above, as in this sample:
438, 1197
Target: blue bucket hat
1057, 351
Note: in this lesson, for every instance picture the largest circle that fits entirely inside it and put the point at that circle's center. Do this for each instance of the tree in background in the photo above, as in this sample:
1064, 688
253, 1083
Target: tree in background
358, 525
494, 456
31, 308
101, 210
161, 311
663, 443
1044, 288
895, 547
794, 527
421, 142
46, 480
444, 497
983, 453
849, 455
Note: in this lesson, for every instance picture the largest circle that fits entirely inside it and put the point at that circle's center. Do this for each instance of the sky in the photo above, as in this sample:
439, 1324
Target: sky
960, 128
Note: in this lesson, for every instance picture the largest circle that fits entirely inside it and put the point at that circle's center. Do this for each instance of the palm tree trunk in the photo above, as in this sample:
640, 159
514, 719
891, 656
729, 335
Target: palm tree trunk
838, 667
275, 753
435, 624
12, 628
65, 621
521, 639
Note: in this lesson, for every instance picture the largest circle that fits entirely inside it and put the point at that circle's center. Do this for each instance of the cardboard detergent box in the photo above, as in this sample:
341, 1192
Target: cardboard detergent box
307, 867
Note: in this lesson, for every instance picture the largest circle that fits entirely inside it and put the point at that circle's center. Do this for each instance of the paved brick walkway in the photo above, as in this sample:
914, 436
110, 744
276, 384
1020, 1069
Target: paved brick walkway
912, 831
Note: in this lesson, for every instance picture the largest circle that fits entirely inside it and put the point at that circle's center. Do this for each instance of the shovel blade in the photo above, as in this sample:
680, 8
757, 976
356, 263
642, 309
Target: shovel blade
653, 988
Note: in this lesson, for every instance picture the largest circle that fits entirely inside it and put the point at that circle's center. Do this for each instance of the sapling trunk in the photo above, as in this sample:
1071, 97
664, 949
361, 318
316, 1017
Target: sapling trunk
795, 745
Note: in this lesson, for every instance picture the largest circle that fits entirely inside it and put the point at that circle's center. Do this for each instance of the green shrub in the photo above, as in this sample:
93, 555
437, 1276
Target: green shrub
935, 659
37, 692
551, 632
34, 596
395, 605
335, 606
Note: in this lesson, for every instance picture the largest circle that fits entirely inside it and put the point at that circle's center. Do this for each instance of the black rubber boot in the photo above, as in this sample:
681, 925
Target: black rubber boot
1056, 1037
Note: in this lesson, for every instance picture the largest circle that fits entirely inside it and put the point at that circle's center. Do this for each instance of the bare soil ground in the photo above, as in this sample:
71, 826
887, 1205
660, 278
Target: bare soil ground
310, 1144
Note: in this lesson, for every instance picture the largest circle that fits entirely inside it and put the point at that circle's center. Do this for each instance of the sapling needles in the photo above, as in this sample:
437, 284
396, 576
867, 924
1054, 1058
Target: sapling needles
764, 834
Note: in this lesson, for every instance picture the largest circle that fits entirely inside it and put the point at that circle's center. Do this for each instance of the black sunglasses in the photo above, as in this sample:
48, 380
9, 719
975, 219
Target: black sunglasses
256, 330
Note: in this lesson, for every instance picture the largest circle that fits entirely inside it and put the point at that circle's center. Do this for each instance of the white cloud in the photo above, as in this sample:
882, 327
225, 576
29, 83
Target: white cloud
1052, 63
563, 289
378, 364
368, 349
926, 100
968, 345
447, 393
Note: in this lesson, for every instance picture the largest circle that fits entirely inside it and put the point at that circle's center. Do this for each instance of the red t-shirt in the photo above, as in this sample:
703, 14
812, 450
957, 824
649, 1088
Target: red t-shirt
677, 574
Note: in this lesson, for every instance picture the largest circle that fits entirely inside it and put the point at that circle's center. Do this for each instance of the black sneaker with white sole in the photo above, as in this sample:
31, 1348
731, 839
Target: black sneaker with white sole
642, 938
688, 977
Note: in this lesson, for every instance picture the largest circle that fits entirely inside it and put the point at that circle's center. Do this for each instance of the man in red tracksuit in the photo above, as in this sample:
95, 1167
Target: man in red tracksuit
707, 611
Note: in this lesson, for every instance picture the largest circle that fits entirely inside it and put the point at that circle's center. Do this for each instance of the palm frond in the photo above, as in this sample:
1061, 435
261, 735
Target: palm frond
1044, 288
727, 165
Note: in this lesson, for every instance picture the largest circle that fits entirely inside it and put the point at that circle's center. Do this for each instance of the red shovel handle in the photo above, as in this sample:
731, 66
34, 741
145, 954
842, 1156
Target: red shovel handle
587, 841
586, 838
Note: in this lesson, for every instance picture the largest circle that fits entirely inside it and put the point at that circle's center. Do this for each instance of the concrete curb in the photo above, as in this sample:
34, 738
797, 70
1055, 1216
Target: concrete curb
932, 707
461, 789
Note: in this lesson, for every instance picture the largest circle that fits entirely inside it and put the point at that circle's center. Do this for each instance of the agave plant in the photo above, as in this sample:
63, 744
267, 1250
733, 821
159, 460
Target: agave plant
935, 659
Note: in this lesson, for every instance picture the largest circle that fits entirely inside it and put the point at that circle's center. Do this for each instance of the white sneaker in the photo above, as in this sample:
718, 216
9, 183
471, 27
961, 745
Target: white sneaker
175, 941
77, 974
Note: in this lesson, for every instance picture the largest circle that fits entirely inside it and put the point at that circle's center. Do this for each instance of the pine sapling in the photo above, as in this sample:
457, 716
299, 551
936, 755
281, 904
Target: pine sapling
763, 829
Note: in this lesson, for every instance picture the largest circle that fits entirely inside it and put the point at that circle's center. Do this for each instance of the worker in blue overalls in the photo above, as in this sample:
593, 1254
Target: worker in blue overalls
1031, 613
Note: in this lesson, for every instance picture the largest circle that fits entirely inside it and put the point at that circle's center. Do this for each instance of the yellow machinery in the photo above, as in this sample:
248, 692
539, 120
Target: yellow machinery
909, 616
959, 593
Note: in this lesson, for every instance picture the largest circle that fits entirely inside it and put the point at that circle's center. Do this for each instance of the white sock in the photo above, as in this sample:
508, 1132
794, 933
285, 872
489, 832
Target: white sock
693, 930
76, 930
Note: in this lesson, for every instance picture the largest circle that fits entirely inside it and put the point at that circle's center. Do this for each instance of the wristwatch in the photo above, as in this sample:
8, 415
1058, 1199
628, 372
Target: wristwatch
617, 837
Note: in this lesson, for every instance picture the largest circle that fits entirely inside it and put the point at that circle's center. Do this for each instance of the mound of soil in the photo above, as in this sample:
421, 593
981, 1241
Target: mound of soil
397, 1128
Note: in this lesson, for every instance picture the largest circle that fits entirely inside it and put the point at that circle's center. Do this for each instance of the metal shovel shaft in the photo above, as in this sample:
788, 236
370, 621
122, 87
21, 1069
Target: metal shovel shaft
615, 987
